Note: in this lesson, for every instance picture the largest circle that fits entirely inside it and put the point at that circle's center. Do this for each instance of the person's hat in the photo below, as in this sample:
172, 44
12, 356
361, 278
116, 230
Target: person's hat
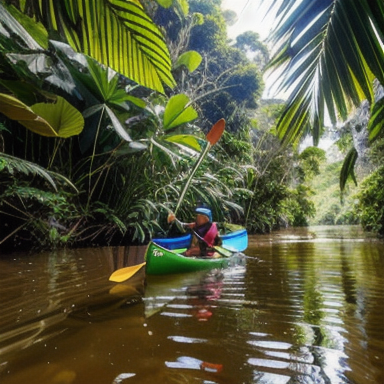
204, 211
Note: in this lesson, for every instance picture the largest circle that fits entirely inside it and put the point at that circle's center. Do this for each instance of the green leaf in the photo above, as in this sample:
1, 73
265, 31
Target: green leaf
117, 125
165, 3
190, 59
376, 123
178, 112
330, 53
24, 27
16, 110
104, 85
183, 5
347, 169
59, 119
11, 163
116, 33
65, 119
189, 141
129, 148
92, 110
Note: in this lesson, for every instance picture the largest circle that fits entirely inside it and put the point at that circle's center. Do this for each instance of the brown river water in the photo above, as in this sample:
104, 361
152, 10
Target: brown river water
303, 306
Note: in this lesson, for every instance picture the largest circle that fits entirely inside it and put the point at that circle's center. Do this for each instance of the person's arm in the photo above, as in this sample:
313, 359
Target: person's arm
172, 217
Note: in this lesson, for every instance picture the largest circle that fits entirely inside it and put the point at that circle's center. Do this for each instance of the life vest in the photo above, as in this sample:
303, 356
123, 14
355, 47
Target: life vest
211, 234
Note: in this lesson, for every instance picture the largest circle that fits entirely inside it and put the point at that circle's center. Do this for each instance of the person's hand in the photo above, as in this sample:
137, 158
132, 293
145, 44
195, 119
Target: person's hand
171, 217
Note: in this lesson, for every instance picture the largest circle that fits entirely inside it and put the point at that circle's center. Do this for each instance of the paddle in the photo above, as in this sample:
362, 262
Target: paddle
212, 137
221, 250
123, 274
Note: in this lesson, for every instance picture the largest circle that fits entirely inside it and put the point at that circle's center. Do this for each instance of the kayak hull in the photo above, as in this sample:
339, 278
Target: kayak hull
161, 261
236, 241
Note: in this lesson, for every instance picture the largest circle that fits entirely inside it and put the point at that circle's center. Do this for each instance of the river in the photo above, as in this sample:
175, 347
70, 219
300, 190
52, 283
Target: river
306, 307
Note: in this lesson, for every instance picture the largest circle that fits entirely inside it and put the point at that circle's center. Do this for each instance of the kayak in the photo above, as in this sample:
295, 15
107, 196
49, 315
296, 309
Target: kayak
164, 256
236, 241
161, 261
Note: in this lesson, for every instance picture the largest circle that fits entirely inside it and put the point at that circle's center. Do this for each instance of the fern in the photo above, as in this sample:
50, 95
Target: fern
14, 164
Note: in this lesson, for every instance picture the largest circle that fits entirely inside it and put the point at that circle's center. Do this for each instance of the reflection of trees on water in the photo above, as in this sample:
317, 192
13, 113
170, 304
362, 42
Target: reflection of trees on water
42, 301
52, 286
365, 349
121, 257
325, 295
348, 277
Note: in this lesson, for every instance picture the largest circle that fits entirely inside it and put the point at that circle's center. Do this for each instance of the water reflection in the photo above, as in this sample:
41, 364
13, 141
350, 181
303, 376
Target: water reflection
310, 312
41, 291
329, 284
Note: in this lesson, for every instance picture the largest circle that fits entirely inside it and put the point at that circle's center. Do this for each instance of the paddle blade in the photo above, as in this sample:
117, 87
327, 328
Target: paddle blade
171, 217
216, 131
223, 252
123, 274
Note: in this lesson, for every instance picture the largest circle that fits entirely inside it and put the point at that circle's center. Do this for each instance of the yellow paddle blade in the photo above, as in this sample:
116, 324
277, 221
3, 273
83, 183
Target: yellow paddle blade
224, 252
123, 274
216, 131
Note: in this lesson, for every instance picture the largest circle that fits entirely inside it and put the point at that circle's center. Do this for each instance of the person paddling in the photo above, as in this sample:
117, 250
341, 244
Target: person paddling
206, 234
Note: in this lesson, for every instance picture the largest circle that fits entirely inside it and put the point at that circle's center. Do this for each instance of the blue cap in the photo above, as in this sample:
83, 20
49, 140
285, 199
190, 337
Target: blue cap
204, 211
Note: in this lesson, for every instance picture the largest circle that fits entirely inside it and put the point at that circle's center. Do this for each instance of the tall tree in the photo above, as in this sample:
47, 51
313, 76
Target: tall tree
249, 42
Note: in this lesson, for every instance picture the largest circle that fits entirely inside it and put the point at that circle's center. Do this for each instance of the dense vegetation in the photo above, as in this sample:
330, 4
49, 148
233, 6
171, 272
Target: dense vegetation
332, 56
97, 138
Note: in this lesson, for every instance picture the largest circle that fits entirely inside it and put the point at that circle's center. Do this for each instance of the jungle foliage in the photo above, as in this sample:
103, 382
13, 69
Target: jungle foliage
91, 152
370, 207
97, 139
330, 56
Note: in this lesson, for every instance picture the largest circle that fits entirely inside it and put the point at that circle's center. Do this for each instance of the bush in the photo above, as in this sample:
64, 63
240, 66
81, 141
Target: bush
370, 205
297, 207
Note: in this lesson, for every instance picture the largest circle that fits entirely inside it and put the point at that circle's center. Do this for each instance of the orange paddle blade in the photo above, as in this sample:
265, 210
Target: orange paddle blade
171, 217
123, 274
216, 131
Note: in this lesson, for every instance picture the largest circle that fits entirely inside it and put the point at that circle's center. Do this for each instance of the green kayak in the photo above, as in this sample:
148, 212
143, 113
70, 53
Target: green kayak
161, 261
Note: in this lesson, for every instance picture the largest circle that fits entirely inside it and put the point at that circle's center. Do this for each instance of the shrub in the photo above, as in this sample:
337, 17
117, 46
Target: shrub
370, 205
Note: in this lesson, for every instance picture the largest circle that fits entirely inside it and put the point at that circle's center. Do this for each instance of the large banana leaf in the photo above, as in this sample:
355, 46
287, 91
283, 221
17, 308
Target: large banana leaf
117, 33
330, 52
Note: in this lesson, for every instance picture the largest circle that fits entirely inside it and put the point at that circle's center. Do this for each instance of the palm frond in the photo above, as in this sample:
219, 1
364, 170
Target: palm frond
330, 51
116, 33
376, 124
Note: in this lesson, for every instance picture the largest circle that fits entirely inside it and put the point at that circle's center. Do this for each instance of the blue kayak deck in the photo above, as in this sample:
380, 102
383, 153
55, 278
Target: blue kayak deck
236, 241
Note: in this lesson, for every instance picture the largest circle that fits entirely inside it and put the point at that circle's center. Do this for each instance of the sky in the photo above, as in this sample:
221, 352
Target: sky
253, 16
250, 17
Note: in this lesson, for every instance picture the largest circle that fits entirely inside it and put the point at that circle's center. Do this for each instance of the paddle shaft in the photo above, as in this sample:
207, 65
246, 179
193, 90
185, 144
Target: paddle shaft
212, 137
221, 250
199, 161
